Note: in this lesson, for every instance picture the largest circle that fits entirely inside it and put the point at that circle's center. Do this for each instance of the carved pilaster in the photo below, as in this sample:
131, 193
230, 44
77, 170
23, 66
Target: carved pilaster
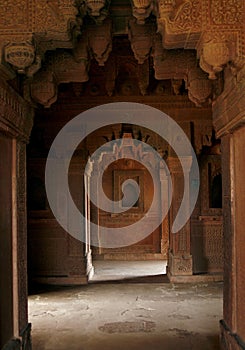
180, 259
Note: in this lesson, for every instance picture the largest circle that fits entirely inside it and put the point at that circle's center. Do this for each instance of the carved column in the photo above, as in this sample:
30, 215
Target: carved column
229, 119
164, 181
15, 127
87, 207
180, 259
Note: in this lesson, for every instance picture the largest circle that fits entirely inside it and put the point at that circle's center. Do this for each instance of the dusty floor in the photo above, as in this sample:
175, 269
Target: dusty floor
127, 316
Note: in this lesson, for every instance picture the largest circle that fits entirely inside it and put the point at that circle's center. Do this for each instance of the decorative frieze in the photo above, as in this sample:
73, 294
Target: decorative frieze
176, 23
227, 12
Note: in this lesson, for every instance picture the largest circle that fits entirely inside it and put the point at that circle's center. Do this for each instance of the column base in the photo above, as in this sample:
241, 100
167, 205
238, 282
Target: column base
180, 265
21, 343
229, 340
90, 267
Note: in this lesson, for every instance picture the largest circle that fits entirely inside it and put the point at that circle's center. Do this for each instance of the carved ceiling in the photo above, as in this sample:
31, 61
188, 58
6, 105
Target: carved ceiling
54, 42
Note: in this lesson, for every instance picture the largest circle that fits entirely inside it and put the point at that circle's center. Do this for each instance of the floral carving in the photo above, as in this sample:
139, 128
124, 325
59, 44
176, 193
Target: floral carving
55, 19
15, 15
227, 12
188, 16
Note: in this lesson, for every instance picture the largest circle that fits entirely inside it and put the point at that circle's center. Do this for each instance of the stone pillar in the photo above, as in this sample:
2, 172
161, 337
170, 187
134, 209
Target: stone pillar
229, 118
21, 241
15, 126
87, 207
164, 183
180, 259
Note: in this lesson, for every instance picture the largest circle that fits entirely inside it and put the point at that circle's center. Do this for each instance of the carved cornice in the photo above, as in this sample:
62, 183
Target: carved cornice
61, 67
214, 28
182, 64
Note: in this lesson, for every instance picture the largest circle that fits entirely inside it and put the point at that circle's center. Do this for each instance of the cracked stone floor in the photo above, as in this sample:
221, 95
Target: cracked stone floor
127, 316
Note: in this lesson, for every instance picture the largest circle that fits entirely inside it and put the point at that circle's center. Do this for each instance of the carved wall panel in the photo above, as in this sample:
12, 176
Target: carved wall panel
207, 245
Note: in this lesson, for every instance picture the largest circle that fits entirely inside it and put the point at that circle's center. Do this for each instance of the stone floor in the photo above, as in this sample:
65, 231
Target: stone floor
126, 270
127, 316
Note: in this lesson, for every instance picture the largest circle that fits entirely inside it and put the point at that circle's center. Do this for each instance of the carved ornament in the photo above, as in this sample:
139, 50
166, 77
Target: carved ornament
43, 89
141, 37
227, 12
60, 67
176, 24
199, 86
215, 53
22, 57
100, 41
142, 9
96, 9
